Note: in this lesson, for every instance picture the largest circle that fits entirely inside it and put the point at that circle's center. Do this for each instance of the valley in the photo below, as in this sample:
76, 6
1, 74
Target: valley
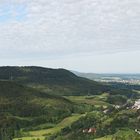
54, 104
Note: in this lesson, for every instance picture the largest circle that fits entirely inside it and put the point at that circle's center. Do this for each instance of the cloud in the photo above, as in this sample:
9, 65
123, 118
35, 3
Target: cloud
62, 27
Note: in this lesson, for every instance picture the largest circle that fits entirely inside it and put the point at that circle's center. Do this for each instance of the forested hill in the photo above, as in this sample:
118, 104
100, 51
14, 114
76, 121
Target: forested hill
19, 100
22, 106
56, 81
35, 74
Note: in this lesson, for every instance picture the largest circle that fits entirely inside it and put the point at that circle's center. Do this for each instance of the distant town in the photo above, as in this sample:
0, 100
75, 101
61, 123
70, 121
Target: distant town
133, 79
129, 81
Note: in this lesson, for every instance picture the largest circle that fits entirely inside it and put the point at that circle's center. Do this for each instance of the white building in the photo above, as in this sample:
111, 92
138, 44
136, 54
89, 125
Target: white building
136, 105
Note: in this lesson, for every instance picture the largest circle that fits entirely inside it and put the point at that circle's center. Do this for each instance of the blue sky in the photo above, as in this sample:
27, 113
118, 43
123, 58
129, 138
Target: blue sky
85, 35
12, 12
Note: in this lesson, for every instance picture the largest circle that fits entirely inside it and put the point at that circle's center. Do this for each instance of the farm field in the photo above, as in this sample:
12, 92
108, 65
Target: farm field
39, 134
97, 100
66, 122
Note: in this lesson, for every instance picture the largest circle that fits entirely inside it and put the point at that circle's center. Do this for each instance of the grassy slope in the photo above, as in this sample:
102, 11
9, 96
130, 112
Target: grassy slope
10, 91
30, 138
25, 105
39, 134
97, 100
121, 133
66, 122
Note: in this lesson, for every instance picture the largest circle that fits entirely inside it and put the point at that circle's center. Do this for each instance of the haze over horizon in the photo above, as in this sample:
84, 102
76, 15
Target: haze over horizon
85, 35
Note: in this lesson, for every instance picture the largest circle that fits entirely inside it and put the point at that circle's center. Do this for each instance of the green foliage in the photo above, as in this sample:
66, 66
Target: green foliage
55, 81
117, 99
32, 106
23, 107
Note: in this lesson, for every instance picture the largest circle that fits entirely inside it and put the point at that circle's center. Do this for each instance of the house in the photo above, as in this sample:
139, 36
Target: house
106, 111
137, 131
92, 130
117, 106
136, 105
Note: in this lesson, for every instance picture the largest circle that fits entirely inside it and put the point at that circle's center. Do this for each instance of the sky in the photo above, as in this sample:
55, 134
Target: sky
99, 36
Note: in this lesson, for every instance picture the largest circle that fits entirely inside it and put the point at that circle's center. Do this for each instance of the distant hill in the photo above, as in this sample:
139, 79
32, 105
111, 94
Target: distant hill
98, 77
115, 81
54, 81
91, 76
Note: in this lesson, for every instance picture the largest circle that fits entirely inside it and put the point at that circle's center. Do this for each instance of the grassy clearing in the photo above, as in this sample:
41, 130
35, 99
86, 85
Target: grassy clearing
97, 100
124, 134
38, 134
109, 137
30, 138
44, 126
66, 122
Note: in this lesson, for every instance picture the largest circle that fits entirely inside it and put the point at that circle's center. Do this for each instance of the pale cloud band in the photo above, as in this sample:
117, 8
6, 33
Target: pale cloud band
53, 27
